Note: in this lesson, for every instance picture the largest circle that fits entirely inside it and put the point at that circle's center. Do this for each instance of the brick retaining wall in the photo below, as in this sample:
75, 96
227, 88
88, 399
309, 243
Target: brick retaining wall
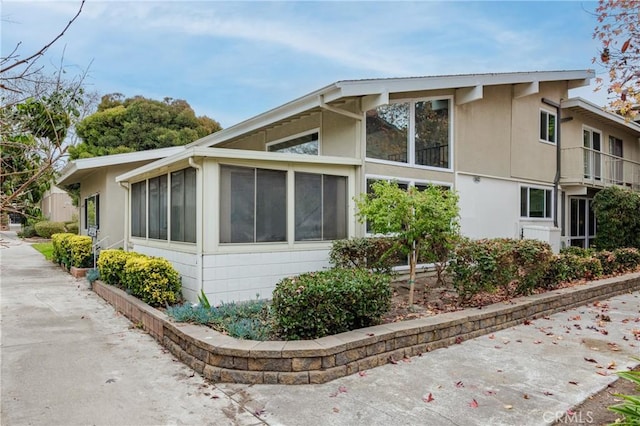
221, 358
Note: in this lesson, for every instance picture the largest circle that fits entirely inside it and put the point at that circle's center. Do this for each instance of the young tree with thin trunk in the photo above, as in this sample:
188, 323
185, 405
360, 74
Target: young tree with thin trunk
411, 216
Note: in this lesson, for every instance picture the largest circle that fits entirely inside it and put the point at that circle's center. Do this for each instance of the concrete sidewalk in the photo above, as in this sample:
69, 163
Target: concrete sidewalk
67, 358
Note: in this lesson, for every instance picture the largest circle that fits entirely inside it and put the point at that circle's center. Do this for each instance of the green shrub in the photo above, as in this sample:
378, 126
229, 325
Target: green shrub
28, 232
380, 254
81, 251
628, 259
617, 212
578, 251
72, 228
488, 264
111, 265
569, 267
318, 304
46, 229
62, 249
608, 262
152, 279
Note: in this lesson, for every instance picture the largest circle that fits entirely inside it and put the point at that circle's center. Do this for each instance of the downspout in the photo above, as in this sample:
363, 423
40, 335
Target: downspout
199, 218
556, 180
126, 216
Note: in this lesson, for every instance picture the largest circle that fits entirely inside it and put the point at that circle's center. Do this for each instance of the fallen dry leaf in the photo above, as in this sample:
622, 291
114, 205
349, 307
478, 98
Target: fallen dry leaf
547, 393
362, 373
428, 398
508, 407
611, 366
489, 392
459, 384
590, 360
525, 396
491, 336
573, 383
336, 410
536, 342
602, 373
473, 403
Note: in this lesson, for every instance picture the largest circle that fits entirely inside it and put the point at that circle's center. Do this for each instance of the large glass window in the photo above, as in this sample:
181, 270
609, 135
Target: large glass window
415, 132
320, 207
139, 209
591, 140
536, 202
252, 205
158, 207
304, 144
183, 205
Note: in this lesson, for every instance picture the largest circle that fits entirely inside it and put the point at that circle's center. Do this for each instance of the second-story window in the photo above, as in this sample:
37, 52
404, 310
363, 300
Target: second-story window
547, 126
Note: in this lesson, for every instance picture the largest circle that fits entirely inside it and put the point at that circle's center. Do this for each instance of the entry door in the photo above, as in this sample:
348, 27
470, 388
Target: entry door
615, 148
592, 160
583, 222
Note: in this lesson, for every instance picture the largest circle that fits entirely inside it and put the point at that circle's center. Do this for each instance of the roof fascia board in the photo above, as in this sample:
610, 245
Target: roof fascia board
370, 102
238, 154
588, 106
370, 87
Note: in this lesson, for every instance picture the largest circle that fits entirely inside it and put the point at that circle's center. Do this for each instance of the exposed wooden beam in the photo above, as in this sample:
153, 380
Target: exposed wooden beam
469, 94
525, 89
374, 101
339, 111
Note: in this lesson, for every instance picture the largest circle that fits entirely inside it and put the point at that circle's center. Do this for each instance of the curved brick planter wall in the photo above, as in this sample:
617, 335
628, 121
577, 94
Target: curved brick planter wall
222, 358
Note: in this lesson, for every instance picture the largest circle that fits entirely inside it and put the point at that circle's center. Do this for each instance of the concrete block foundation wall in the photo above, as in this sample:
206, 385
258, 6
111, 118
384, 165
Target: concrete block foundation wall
221, 358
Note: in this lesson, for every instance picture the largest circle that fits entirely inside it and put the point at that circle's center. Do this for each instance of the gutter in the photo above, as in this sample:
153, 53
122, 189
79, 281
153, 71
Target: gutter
556, 179
199, 219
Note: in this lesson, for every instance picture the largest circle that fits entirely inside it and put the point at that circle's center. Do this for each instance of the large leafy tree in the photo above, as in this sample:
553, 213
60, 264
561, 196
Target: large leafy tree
37, 112
138, 124
618, 31
33, 134
416, 218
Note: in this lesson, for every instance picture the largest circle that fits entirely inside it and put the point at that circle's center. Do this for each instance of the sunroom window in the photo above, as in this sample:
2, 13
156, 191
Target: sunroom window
320, 207
183, 205
139, 209
412, 132
252, 205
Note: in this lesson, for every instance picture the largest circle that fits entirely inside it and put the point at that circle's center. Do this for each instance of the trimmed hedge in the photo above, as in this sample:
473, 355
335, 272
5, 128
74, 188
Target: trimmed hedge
46, 229
488, 264
380, 254
81, 251
328, 302
567, 267
72, 228
61, 249
151, 279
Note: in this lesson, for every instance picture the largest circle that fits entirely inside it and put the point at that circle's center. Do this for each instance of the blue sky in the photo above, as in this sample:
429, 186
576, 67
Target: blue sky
233, 60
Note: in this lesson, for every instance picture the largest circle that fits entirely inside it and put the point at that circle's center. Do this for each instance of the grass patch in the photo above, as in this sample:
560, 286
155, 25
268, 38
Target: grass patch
45, 248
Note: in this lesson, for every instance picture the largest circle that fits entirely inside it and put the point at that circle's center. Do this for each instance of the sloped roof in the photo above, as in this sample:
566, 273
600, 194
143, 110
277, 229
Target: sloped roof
76, 170
592, 110
344, 89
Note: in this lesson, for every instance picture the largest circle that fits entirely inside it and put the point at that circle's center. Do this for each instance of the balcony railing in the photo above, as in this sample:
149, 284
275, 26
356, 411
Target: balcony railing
586, 166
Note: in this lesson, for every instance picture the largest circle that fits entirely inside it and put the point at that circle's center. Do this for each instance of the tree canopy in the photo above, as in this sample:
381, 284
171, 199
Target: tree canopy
137, 124
618, 31
412, 216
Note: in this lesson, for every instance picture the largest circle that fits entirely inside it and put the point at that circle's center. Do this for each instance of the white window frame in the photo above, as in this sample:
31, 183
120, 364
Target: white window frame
411, 132
528, 217
296, 136
555, 129
594, 156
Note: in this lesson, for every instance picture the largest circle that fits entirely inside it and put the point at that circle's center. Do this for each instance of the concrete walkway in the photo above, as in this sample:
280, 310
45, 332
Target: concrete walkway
68, 359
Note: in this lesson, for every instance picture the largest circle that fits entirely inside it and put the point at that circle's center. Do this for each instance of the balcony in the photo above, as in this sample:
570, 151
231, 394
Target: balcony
585, 166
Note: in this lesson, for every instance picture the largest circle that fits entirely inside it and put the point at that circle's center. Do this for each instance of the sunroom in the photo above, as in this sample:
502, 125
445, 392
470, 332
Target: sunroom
234, 222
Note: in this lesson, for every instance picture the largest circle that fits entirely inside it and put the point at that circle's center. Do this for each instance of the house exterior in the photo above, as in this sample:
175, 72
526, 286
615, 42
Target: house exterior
239, 209
56, 205
102, 200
